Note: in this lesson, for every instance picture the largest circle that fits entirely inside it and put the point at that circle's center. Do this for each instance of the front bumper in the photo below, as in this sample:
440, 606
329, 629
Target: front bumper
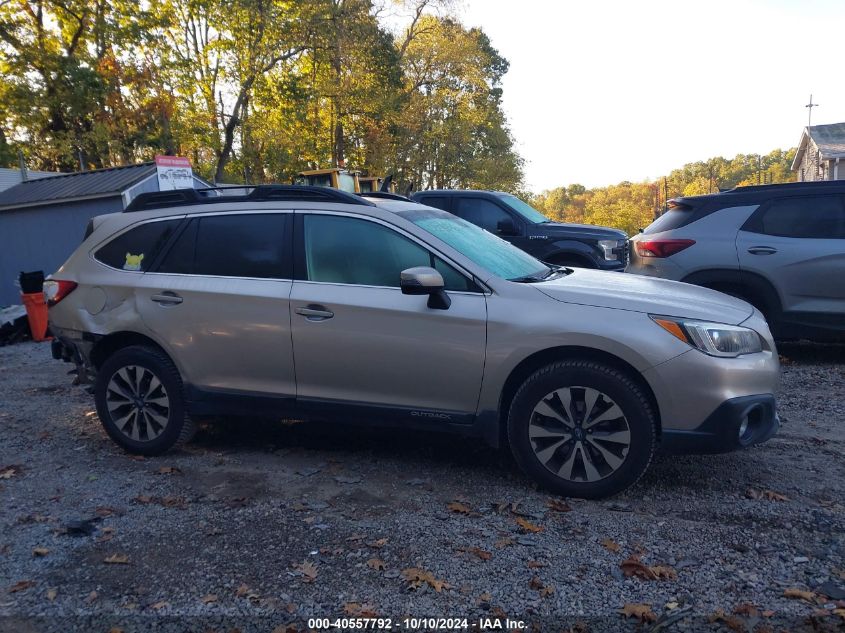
736, 423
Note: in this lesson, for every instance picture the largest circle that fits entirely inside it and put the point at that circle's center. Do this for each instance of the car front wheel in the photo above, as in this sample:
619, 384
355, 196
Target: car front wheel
139, 401
582, 429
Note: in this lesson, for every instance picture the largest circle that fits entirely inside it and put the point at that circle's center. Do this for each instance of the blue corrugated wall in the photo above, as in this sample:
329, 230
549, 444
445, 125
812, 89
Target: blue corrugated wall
42, 238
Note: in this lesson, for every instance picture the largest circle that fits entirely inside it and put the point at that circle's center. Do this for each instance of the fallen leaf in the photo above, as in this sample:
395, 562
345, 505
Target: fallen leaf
209, 598
117, 559
40, 551
748, 610
417, 577
377, 564
664, 572
169, 470
769, 495
379, 543
308, 571
611, 545
558, 505
115, 629
104, 511
733, 622
503, 542
21, 585
800, 594
527, 526
484, 598
480, 553
537, 584
7, 472
91, 597
357, 610
174, 502
51, 594
632, 566
143, 499
458, 507
642, 612
533, 564
158, 606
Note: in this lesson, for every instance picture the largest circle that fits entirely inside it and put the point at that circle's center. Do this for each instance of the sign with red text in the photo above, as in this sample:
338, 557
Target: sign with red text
174, 172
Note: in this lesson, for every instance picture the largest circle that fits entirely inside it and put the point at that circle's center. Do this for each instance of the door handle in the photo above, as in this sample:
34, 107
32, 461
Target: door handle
167, 299
315, 312
762, 250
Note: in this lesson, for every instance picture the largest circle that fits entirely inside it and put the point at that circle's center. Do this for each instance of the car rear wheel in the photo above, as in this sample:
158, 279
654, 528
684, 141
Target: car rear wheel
582, 429
139, 400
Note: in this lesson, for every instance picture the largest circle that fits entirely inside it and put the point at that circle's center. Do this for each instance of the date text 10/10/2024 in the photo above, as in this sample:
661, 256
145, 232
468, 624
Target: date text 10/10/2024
416, 624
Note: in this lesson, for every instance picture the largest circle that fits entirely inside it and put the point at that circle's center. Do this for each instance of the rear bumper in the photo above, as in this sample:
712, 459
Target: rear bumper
720, 432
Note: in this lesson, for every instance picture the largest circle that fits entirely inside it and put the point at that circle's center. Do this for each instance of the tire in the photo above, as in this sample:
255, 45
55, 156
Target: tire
142, 376
595, 465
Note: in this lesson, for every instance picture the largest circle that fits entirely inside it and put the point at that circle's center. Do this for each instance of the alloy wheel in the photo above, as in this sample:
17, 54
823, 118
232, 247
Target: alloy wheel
137, 403
579, 434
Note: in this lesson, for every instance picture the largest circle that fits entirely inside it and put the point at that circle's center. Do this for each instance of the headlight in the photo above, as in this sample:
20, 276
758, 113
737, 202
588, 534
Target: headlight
716, 339
611, 248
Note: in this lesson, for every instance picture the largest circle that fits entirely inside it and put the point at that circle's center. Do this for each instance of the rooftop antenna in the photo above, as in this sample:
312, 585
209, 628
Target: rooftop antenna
22, 166
810, 107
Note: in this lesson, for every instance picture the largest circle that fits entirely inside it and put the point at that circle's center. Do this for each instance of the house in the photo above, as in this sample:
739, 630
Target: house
43, 219
821, 153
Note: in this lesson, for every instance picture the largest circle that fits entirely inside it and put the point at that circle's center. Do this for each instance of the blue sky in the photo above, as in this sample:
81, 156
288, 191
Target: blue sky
604, 91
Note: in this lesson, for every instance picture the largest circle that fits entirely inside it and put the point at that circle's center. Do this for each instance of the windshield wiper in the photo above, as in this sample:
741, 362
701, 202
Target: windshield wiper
527, 279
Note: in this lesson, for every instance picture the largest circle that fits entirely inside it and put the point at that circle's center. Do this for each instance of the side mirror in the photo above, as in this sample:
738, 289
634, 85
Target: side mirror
506, 227
422, 280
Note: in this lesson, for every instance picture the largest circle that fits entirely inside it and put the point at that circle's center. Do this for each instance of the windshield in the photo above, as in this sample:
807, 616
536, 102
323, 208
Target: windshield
523, 208
485, 249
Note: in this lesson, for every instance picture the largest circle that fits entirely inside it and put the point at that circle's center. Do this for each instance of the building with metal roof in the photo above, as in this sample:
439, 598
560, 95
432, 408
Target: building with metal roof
11, 177
821, 153
43, 218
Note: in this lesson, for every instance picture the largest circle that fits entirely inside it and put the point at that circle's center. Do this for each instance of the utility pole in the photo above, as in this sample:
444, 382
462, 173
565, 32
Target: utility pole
810, 107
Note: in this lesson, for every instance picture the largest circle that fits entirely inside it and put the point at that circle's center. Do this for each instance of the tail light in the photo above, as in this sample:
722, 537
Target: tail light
662, 248
57, 289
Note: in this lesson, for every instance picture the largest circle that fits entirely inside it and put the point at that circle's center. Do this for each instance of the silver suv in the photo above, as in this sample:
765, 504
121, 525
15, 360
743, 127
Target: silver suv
313, 303
780, 247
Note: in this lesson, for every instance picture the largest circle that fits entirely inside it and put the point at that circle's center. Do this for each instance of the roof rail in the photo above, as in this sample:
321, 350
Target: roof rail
215, 195
788, 185
387, 195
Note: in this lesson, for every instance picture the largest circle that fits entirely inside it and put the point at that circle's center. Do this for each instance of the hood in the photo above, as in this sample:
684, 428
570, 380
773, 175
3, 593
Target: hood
645, 294
582, 230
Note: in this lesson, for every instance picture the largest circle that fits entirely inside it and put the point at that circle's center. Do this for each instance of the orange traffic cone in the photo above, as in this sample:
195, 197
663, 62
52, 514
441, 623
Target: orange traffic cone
36, 314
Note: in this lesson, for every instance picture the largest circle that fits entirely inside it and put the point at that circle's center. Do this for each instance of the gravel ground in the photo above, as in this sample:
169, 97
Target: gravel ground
260, 526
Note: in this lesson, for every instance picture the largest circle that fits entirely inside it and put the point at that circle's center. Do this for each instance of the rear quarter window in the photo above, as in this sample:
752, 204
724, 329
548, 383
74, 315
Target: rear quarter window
136, 248
672, 219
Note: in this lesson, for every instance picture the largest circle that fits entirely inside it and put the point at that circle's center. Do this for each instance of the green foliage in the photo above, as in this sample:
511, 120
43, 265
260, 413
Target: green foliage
254, 90
632, 206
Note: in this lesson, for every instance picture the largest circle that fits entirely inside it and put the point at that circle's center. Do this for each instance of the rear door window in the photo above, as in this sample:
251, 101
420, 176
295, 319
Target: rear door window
481, 212
136, 249
238, 245
814, 217
438, 202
